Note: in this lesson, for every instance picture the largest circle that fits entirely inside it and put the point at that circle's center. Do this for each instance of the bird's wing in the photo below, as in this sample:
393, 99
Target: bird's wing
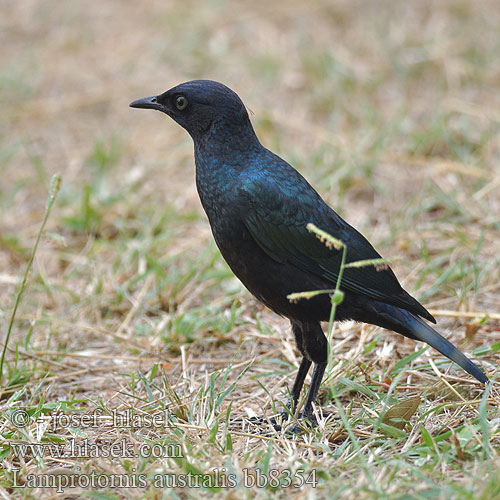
278, 223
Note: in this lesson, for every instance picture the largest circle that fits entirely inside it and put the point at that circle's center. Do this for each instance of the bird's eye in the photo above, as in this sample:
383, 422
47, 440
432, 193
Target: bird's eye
181, 102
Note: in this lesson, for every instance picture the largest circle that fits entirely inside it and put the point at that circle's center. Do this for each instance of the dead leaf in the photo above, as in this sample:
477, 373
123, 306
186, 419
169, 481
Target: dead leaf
399, 414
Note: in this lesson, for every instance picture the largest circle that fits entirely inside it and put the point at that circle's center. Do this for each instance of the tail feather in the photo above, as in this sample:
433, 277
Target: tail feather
422, 331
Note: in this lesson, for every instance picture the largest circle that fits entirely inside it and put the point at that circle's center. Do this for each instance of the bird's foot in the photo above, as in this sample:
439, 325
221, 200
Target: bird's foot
266, 424
277, 422
307, 421
283, 422
263, 425
304, 421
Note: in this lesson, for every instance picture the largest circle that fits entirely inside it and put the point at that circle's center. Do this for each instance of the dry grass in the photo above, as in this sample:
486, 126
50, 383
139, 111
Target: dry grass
389, 108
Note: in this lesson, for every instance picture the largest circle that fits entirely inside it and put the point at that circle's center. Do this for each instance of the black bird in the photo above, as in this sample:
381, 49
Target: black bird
259, 206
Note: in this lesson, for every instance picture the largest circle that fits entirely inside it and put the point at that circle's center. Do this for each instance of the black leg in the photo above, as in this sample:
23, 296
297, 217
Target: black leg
312, 343
305, 364
319, 370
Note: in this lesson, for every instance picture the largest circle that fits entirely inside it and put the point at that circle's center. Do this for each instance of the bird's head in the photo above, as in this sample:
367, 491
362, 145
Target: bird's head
200, 106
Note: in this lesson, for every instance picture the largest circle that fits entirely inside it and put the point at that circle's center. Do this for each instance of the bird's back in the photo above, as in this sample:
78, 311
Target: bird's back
259, 209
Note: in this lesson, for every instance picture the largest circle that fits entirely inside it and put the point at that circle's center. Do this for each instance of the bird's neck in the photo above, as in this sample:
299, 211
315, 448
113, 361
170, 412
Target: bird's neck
220, 156
225, 137
225, 150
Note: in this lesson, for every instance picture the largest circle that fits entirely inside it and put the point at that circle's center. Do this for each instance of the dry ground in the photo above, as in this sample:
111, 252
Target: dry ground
391, 109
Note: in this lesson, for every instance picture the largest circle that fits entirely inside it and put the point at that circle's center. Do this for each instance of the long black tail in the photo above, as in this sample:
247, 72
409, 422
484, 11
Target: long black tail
422, 331
402, 321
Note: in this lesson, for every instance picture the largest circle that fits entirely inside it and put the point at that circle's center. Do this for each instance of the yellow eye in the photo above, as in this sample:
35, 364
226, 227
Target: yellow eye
181, 102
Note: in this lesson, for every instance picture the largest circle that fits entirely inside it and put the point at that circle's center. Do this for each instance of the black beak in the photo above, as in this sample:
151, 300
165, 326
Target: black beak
147, 103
